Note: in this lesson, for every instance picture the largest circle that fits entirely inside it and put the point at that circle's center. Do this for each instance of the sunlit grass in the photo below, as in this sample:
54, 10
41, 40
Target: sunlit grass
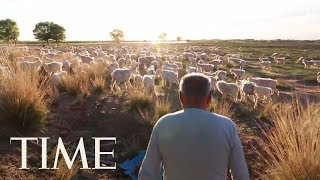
293, 144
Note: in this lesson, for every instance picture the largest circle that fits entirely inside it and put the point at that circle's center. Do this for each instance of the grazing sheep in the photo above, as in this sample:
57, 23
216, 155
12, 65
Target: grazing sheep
318, 77
151, 71
148, 82
280, 60
137, 79
30, 66
222, 75
66, 66
121, 75
86, 59
261, 91
168, 65
168, 76
266, 65
267, 82
53, 67
192, 60
206, 67
155, 64
238, 73
230, 89
191, 69
307, 63
204, 56
56, 78
179, 64
121, 62
246, 89
214, 80
201, 61
113, 66
216, 62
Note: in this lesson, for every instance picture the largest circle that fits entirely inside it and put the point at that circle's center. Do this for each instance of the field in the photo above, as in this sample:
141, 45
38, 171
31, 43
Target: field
280, 138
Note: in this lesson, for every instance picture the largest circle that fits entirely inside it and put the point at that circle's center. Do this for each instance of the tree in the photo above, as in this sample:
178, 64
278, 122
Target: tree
179, 38
9, 30
49, 31
117, 35
163, 36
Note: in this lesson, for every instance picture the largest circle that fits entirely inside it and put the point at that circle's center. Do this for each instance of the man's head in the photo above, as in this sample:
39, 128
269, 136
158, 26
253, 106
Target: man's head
195, 91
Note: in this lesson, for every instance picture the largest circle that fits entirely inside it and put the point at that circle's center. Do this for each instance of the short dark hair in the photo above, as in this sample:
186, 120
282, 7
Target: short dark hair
195, 85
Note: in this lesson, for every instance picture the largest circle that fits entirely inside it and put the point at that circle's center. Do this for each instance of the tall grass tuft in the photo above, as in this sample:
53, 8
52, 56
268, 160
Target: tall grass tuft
293, 144
22, 100
139, 99
99, 84
64, 173
162, 107
77, 85
222, 107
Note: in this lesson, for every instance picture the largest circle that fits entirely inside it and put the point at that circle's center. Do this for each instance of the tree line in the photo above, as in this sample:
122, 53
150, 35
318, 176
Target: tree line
49, 31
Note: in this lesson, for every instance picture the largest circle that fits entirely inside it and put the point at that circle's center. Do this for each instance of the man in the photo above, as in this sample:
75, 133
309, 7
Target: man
194, 143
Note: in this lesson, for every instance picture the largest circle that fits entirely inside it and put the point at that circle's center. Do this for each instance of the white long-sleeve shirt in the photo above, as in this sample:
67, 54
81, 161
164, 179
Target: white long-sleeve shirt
194, 144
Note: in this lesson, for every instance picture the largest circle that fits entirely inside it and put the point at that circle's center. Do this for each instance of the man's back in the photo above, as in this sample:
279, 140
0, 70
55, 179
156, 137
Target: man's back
194, 144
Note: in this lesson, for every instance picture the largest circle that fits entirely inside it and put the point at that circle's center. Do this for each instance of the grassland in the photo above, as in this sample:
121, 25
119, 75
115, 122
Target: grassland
87, 108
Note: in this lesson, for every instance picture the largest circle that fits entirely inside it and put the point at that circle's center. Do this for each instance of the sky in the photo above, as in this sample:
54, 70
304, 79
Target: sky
190, 19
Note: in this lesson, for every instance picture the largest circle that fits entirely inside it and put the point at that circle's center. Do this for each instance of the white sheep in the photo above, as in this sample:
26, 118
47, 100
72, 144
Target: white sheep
230, 89
204, 56
318, 77
192, 60
216, 62
172, 66
137, 79
191, 69
66, 66
113, 66
168, 76
151, 71
53, 67
214, 80
261, 91
238, 73
148, 82
121, 75
56, 78
155, 64
267, 82
86, 59
222, 75
179, 64
206, 67
246, 89
280, 60
30, 66
266, 65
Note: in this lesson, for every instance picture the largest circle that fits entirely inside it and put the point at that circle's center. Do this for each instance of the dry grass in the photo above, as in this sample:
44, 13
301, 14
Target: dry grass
293, 145
139, 99
64, 173
77, 85
222, 107
162, 107
22, 100
99, 84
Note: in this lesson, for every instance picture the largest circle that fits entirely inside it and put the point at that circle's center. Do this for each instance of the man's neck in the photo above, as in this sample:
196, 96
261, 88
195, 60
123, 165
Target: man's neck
196, 107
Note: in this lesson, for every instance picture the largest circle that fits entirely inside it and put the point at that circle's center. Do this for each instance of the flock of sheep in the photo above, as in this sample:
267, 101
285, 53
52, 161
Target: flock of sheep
141, 65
